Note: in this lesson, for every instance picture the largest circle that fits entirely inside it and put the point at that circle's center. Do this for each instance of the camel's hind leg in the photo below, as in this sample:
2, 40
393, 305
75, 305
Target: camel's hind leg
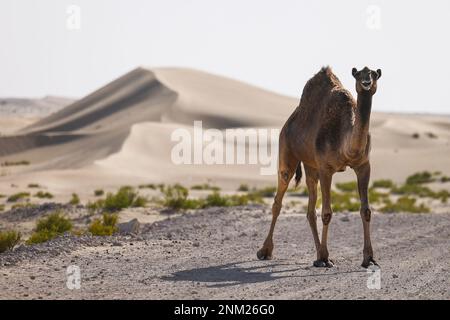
287, 166
312, 177
325, 186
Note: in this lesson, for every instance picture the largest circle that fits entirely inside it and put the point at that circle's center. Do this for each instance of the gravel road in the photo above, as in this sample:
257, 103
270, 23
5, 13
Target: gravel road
211, 254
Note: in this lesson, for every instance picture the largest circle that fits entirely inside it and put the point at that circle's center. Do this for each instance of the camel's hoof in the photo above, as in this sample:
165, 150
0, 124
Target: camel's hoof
369, 262
263, 254
327, 263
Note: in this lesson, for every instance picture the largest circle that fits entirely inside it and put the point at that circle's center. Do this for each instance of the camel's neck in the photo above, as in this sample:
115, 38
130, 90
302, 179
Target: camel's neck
360, 128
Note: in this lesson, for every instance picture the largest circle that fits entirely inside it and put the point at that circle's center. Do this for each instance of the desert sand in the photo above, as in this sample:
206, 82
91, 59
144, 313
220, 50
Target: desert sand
121, 134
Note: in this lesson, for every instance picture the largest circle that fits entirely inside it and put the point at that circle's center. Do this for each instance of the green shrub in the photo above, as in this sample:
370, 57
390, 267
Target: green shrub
404, 204
412, 189
383, 183
2, 207
299, 191
15, 163
95, 206
8, 240
176, 197
420, 177
443, 195
50, 227
376, 197
205, 186
99, 192
216, 200
347, 186
17, 196
24, 205
267, 192
106, 226
125, 197
33, 185
243, 188
147, 186
347, 201
42, 195
445, 179
75, 200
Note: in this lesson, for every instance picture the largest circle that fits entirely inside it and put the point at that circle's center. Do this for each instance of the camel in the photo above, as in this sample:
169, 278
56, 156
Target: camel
327, 132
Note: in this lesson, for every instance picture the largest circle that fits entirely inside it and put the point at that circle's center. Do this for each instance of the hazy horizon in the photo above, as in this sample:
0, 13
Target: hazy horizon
51, 49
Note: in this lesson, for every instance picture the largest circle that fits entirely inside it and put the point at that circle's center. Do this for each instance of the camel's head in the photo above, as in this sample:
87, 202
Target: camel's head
366, 80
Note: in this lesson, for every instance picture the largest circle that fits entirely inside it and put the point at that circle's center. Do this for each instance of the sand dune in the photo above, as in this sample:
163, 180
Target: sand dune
120, 134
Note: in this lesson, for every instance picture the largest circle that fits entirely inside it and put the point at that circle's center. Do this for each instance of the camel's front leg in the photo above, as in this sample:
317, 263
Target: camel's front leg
284, 176
363, 175
322, 254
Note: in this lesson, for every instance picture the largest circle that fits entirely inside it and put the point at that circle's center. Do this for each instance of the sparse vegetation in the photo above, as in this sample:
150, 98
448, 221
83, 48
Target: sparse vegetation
148, 186
377, 197
15, 163
18, 196
125, 197
106, 226
2, 207
383, 183
23, 205
445, 179
205, 186
347, 201
420, 177
75, 200
351, 186
43, 195
266, 192
243, 188
404, 204
8, 240
415, 135
50, 227
176, 197
431, 135
95, 206
99, 192
33, 185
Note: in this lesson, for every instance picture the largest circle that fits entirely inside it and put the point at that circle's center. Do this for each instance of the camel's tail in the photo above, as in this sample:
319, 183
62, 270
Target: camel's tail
298, 174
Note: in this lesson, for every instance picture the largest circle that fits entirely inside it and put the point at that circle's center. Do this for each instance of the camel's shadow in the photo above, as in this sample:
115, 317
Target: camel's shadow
237, 273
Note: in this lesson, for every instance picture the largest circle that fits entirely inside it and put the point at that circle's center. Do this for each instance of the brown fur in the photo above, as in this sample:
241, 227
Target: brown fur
328, 131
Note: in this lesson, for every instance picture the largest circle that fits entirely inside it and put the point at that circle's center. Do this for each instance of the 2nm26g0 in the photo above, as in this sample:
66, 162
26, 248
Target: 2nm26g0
234, 309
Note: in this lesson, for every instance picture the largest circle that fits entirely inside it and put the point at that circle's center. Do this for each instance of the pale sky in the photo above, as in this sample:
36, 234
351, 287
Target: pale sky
277, 45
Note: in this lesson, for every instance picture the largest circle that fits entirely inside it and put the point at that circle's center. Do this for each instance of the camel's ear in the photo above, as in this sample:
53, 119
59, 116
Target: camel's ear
354, 71
379, 73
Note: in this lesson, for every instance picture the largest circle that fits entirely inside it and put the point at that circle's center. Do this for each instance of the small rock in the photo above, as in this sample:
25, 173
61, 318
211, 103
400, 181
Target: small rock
130, 227
116, 244
196, 244
394, 276
345, 219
